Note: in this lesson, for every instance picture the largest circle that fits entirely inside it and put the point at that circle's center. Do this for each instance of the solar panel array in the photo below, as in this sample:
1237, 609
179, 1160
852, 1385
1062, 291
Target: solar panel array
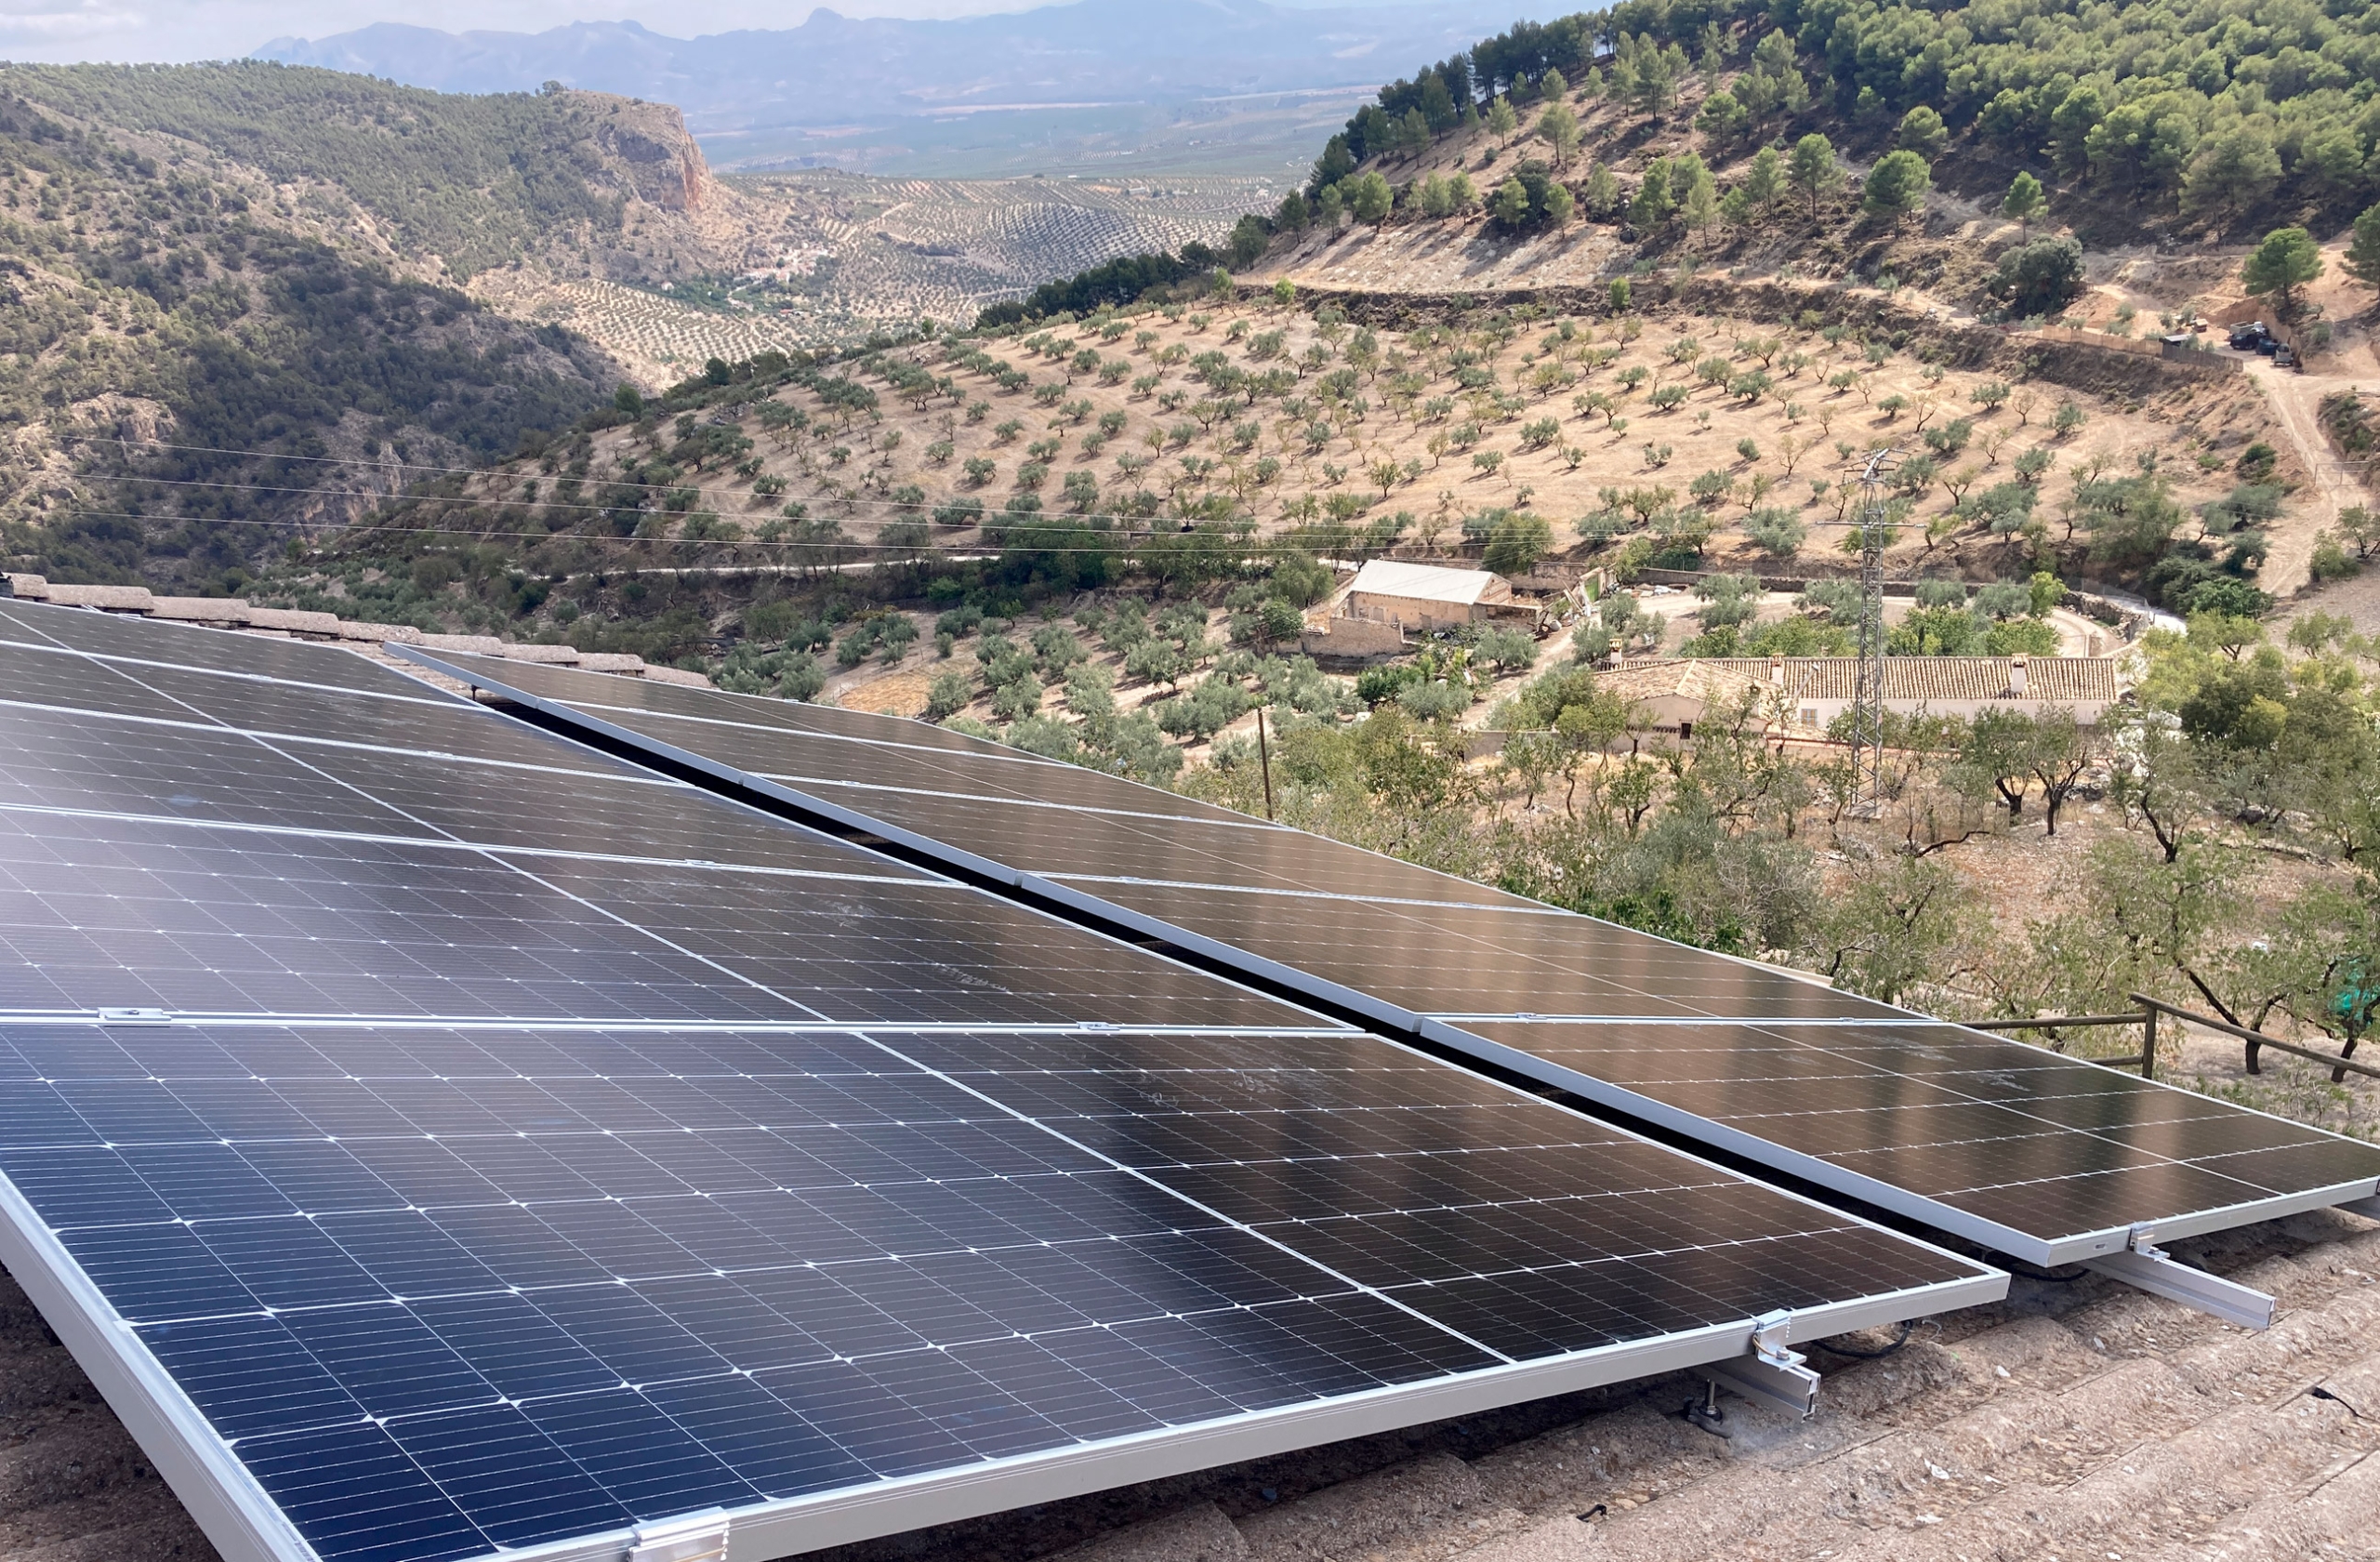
438, 1137
2039, 1156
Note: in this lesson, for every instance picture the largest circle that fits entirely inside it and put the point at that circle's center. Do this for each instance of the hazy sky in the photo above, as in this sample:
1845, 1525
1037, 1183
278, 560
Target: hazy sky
62, 29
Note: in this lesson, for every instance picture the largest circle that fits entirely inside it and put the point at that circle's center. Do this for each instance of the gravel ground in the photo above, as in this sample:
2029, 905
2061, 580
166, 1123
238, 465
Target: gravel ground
2074, 1420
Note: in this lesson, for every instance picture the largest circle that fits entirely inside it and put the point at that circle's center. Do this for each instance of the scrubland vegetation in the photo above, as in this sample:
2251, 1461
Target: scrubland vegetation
148, 301
1100, 523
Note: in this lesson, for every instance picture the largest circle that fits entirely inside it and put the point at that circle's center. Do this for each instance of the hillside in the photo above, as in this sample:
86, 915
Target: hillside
288, 267
2143, 118
1169, 448
446, 187
834, 257
189, 336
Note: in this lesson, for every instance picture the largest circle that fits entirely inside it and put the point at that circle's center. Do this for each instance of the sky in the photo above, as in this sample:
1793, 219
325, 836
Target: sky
181, 29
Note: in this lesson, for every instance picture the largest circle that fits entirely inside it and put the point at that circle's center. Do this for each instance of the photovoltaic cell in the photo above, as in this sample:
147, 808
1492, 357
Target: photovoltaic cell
1411, 960
526, 1284
107, 634
2012, 1134
2044, 1157
482, 1144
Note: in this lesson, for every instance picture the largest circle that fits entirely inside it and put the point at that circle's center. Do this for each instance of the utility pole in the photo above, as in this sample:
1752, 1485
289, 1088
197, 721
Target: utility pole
1868, 695
1264, 758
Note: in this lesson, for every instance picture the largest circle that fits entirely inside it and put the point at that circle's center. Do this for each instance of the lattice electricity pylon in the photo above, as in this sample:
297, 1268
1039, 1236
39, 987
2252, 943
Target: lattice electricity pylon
1867, 695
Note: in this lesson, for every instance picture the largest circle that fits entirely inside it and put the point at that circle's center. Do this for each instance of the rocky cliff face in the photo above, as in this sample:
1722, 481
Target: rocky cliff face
441, 188
662, 163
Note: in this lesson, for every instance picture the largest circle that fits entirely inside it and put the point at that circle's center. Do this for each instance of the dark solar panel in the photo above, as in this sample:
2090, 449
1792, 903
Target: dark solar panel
520, 1285
1971, 1133
229, 651
1405, 961
441, 1177
2000, 1135
905, 753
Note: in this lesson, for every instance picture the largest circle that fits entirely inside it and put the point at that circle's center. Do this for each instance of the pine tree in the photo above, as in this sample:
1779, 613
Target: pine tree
1511, 206
1812, 170
1700, 209
2363, 251
1502, 121
1413, 132
1654, 203
1603, 190
1897, 185
1766, 179
2024, 199
1559, 126
2287, 260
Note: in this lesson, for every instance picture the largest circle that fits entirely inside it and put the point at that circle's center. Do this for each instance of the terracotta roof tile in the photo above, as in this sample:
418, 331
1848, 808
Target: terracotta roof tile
2055, 679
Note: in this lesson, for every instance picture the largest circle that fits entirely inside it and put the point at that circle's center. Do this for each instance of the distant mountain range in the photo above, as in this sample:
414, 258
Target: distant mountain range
834, 69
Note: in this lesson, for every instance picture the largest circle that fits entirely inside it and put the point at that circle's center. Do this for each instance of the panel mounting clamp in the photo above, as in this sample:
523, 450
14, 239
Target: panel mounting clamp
2149, 1267
1767, 1372
694, 1537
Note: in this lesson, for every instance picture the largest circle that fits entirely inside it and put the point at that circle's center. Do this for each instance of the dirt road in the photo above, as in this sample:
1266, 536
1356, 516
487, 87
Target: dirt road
2297, 400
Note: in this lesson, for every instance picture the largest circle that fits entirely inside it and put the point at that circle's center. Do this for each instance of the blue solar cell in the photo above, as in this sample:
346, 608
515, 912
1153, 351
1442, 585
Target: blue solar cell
357, 1496
488, 1184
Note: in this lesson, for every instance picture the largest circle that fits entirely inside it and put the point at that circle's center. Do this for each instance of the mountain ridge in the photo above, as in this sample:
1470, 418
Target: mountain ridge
833, 67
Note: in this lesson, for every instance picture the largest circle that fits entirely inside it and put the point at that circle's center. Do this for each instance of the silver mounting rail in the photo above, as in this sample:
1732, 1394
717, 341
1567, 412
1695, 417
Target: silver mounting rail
1768, 1372
2150, 1268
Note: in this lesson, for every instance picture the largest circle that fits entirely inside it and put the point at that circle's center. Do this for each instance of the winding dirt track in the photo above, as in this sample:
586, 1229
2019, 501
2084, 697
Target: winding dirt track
2296, 403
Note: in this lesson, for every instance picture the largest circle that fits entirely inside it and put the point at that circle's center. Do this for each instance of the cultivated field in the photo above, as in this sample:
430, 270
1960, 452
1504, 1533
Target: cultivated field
1693, 429
665, 339
829, 257
945, 248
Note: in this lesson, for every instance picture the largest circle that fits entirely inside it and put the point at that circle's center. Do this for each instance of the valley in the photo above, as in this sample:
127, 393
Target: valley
1878, 497
824, 259
1086, 463
328, 282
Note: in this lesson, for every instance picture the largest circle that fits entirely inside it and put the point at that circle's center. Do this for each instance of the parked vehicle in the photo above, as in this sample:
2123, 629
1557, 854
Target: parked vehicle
2285, 357
2249, 336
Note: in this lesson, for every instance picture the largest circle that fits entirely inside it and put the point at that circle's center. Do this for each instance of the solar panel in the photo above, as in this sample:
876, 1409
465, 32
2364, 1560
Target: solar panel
2046, 1159
422, 1179
1991, 1134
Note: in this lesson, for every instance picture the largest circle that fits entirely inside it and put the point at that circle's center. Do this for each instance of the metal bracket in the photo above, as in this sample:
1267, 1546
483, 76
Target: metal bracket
694, 1537
1767, 1372
134, 1017
2151, 1269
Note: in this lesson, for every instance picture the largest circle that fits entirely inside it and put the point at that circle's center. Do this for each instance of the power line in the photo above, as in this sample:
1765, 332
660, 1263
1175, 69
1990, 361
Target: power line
902, 509
269, 455
468, 501
924, 553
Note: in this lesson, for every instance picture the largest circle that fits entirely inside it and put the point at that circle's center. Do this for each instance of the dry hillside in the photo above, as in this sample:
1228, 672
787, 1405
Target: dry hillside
1419, 430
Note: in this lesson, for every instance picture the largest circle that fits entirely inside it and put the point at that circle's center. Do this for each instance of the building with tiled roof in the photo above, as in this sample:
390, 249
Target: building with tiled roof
1810, 692
1672, 693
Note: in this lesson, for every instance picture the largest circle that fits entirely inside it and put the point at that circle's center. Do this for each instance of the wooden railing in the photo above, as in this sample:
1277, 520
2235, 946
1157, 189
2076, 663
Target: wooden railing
2145, 1060
2341, 1065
